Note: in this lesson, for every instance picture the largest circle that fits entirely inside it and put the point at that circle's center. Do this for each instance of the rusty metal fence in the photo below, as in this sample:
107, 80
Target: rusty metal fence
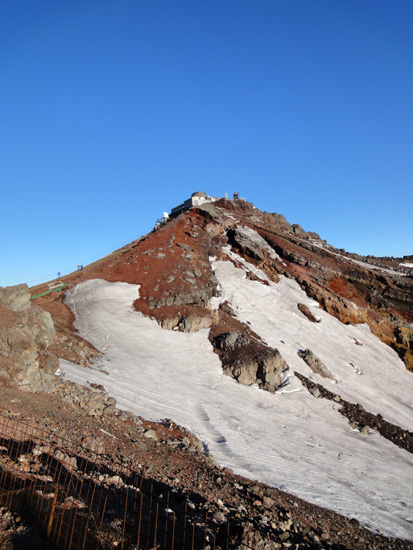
80, 502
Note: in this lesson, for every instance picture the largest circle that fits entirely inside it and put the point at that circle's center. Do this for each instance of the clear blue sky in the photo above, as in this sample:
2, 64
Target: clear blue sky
114, 111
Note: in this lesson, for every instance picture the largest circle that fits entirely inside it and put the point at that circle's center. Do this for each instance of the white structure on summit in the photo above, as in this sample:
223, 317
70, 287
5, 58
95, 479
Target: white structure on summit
197, 198
162, 221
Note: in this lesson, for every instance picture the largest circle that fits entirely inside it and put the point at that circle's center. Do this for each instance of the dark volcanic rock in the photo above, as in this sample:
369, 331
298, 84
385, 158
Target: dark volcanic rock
250, 361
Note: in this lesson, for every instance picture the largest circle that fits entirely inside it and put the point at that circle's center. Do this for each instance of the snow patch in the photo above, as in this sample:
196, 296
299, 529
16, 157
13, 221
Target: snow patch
273, 314
362, 264
289, 440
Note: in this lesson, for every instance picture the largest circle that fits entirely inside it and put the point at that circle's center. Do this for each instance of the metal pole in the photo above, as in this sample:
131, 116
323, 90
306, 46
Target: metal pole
49, 525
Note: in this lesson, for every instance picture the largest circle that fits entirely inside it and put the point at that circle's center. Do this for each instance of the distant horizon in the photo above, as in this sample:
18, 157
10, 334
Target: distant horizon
113, 113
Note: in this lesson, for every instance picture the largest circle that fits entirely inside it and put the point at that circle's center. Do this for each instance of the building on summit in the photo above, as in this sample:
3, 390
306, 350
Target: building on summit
197, 198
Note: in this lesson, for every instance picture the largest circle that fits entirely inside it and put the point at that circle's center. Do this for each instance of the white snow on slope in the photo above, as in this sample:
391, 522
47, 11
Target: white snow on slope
358, 262
407, 265
371, 374
292, 441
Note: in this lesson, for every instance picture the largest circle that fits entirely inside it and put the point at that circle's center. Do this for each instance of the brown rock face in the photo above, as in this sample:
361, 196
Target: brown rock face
305, 311
15, 298
250, 362
404, 345
376, 291
26, 332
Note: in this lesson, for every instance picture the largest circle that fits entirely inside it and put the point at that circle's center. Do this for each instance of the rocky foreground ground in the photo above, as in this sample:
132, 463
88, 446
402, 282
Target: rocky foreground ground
165, 453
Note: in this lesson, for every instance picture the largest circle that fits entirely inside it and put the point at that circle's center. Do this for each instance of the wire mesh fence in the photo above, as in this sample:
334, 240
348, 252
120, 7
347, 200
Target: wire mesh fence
80, 502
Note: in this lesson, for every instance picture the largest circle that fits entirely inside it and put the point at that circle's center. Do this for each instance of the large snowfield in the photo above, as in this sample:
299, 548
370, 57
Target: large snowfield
290, 440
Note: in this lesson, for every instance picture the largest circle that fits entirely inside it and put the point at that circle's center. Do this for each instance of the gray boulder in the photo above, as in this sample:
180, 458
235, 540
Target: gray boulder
240, 239
15, 298
27, 333
315, 364
193, 323
250, 362
298, 230
228, 341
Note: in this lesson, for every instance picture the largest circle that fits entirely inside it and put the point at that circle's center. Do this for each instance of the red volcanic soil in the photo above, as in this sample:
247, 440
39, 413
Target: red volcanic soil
172, 262
343, 288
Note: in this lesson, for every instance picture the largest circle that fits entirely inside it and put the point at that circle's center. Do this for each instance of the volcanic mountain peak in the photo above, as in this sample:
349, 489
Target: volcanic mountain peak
222, 301
173, 269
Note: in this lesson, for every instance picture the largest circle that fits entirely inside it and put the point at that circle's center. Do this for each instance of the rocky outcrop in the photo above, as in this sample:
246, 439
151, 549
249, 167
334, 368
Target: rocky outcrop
359, 418
192, 297
229, 341
246, 245
404, 345
189, 323
346, 310
404, 337
95, 401
298, 230
277, 222
15, 298
250, 362
193, 323
26, 333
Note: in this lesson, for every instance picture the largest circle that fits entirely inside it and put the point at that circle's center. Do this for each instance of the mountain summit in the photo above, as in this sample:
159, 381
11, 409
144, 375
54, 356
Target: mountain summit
174, 269
289, 359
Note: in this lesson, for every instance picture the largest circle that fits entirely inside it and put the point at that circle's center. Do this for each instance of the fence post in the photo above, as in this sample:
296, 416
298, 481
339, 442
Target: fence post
49, 525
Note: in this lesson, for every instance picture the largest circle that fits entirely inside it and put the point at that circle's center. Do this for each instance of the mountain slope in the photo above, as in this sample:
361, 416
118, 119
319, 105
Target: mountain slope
225, 289
172, 264
241, 274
